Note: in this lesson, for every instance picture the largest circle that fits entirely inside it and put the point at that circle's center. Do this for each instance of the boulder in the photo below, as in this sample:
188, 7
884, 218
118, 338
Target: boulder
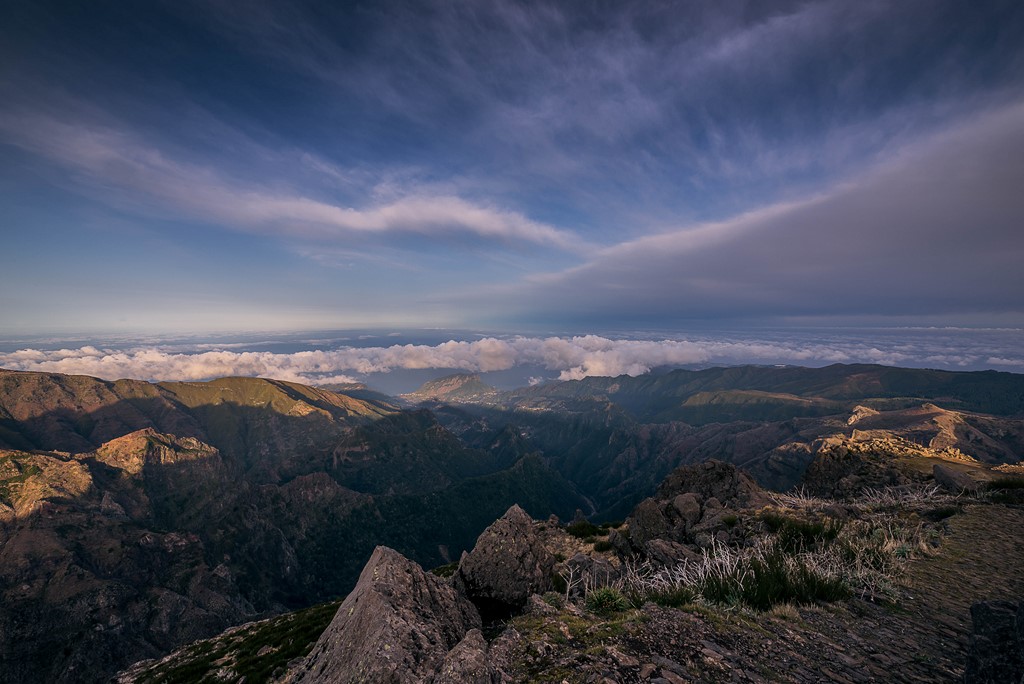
996, 651
397, 625
648, 521
692, 505
667, 552
508, 563
467, 663
688, 507
953, 480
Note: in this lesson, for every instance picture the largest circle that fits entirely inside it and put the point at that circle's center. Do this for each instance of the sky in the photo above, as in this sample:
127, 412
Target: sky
183, 167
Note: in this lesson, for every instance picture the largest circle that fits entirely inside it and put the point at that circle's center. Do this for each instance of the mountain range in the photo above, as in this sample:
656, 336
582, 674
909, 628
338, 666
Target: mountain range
136, 517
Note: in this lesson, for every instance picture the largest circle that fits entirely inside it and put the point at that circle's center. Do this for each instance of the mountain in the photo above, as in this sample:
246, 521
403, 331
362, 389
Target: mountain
710, 579
137, 516
453, 388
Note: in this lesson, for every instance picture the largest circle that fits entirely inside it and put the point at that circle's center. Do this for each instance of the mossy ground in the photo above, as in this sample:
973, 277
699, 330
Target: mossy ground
253, 653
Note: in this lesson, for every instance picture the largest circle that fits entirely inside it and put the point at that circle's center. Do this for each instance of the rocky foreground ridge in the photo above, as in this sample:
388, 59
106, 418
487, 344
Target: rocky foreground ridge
712, 579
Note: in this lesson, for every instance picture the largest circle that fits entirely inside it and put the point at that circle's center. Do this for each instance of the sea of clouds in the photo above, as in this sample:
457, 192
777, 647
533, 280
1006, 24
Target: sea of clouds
561, 357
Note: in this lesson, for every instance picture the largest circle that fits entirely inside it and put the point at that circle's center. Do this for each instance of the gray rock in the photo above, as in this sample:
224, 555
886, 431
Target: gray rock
621, 543
467, 663
669, 552
508, 563
675, 513
954, 480
688, 507
732, 487
397, 625
996, 652
649, 521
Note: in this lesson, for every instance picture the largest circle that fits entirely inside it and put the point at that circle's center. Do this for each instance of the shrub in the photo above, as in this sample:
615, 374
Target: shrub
1005, 483
796, 535
553, 599
602, 545
606, 600
583, 529
446, 570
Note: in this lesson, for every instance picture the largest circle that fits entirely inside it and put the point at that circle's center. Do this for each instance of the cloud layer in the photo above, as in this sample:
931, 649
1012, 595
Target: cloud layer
568, 357
937, 230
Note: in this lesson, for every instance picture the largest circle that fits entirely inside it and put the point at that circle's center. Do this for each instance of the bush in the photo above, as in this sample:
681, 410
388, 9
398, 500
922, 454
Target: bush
796, 535
553, 599
446, 570
585, 528
606, 601
1005, 483
602, 545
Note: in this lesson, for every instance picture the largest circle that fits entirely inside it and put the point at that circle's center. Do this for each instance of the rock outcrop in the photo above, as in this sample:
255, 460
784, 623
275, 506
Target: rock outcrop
397, 625
693, 506
508, 563
467, 663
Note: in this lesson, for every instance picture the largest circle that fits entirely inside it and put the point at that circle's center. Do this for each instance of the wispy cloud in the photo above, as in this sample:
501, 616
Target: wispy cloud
936, 229
135, 174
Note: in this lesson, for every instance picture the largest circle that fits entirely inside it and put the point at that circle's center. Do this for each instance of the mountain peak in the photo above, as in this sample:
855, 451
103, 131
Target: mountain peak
461, 386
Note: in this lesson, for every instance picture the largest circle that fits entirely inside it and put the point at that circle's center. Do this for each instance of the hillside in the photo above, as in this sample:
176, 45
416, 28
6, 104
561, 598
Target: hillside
712, 579
135, 517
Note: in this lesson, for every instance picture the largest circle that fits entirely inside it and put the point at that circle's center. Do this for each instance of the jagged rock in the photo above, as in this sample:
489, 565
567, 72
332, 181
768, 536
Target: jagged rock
467, 663
649, 521
844, 468
954, 480
997, 643
536, 605
397, 625
587, 571
508, 563
620, 541
725, 482
692, 504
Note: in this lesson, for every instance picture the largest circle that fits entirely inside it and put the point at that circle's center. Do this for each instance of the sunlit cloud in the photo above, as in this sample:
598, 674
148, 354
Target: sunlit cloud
567, 358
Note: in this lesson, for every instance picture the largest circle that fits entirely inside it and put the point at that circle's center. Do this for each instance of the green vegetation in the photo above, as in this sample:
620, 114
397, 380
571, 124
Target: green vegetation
584, 529
446, 570
796, 535
24, 472
254, 653
602, 545
772, 578
606, 600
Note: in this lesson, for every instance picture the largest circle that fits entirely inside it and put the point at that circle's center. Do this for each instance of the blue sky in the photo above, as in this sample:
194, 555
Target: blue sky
216, 166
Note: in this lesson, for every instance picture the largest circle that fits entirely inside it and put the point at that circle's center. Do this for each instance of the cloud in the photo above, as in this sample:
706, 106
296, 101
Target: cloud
937, 230
568, 357
133, 173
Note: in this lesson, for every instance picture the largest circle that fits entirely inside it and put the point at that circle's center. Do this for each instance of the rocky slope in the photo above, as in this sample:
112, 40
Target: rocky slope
635, 615
135, 517
120, 541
